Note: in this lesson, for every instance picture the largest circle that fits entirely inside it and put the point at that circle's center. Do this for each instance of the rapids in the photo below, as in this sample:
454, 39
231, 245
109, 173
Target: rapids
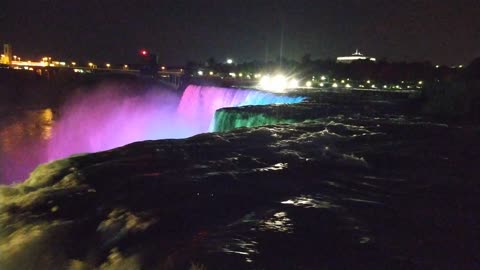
348, 183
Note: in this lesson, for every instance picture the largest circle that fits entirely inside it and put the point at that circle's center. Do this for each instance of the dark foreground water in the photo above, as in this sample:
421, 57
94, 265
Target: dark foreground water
352, 187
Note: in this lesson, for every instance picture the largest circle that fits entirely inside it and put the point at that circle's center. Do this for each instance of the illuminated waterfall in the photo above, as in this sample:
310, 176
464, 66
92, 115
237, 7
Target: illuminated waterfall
107, 119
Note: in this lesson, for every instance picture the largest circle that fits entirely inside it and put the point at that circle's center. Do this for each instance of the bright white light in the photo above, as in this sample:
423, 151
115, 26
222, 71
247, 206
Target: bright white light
420, 82
200, 73
335, 85
321, 84
385, 86
368, 81
293, 83
211, 73
279, 83
373, 86
257, 75
232, 74
265, 82
240, 75
437, 66
323, 78
229, 61
348, 85
308, 84
343, 81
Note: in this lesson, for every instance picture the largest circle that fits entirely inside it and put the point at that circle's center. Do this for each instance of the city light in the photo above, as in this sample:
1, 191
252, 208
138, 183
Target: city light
144, 52
335, 85
200, 73
420, 82
321, 84
308, 84
163, 67
74, 64
323, 78
229, 61
211, 73
107, 65
232, 74
348, 85
125, 66
277, 83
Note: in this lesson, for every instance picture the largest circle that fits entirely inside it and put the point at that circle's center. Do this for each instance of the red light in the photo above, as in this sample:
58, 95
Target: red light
143, 52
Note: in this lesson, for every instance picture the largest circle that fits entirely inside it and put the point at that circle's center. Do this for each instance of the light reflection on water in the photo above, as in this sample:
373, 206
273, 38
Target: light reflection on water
23, 141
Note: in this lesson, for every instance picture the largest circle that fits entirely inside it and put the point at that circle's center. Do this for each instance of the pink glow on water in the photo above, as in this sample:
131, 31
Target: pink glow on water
113, 115
107, 119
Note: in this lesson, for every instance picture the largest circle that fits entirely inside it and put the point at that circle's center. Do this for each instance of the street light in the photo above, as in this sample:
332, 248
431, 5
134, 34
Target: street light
229, 61
107, 65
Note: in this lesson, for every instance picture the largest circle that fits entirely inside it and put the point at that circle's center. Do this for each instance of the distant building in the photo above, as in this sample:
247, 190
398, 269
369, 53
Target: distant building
7, 54
354, 57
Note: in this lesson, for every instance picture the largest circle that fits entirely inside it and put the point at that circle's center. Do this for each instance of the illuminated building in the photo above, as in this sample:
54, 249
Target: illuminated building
7, 54
354, 57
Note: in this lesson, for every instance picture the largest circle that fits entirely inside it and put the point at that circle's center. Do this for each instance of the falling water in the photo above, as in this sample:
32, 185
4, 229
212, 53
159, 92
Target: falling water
107, 118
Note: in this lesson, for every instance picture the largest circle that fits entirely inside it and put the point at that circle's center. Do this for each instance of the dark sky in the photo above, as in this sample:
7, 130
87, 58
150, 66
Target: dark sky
442, 31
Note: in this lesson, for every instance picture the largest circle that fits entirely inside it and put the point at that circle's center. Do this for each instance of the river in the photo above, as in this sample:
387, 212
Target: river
338, 181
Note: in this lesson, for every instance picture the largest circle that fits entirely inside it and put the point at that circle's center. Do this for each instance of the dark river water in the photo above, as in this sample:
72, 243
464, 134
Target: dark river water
348, 183
24, 136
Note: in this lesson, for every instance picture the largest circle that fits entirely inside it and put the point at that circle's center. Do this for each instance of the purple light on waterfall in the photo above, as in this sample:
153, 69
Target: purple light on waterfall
111, 116
108, 119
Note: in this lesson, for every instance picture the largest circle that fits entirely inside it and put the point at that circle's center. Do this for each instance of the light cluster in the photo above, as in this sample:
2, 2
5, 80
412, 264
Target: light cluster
277, 83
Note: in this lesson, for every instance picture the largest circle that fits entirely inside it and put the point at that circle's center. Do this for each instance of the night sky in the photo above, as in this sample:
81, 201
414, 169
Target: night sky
441, 31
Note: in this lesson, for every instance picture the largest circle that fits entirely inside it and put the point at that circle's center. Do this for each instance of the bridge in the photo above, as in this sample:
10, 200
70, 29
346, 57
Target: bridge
170, 77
